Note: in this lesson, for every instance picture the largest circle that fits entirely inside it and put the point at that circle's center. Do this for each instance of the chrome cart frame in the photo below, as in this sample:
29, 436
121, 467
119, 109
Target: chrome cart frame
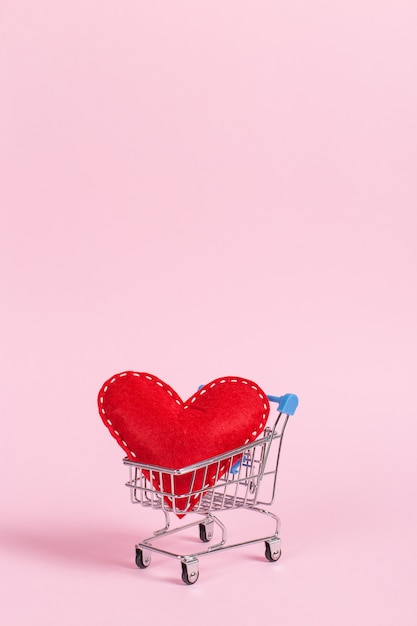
249, 483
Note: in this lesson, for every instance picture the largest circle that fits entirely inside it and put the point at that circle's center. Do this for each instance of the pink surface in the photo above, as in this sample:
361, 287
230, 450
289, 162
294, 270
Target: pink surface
200, 189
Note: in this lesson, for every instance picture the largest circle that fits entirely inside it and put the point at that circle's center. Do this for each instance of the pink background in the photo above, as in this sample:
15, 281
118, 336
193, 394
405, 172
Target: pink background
197, 189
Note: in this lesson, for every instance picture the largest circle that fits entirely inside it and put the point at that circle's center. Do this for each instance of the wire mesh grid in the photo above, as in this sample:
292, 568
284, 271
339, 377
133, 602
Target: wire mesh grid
227, 481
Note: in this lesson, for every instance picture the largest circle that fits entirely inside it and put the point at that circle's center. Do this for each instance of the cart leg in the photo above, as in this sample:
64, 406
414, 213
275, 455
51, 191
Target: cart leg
206, 529
163, 530
143, 558
190, 572
273, 549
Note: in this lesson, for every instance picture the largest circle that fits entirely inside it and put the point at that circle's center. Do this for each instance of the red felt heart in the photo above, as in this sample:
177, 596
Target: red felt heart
155, 427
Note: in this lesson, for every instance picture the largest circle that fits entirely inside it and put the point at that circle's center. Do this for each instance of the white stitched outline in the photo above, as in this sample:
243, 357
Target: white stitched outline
193, 399
109, 422
105, 388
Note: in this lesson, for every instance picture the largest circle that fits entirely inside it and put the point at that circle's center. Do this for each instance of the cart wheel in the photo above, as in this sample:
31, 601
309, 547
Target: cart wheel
206, 531
190, 572
273, 550
142, 560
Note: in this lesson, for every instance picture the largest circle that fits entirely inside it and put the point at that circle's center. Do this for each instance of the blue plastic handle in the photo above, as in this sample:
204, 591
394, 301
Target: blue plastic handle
286, 404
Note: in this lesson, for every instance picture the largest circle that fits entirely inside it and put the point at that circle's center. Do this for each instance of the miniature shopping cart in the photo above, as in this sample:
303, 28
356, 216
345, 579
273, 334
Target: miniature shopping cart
249, 483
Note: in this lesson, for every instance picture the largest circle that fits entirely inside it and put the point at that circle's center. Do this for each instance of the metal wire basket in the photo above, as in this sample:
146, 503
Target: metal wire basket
243, 478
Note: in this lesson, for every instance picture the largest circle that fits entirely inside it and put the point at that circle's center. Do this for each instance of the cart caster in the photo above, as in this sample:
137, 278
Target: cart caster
273, 549
190, 572
143, 559
206, 531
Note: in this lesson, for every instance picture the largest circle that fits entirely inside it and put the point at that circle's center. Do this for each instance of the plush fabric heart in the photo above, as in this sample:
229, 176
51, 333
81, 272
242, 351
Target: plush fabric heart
155, 427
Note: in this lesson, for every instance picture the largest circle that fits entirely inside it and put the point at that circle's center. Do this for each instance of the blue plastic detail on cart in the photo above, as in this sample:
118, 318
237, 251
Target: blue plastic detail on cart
245, 461
235, 467
286, 404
